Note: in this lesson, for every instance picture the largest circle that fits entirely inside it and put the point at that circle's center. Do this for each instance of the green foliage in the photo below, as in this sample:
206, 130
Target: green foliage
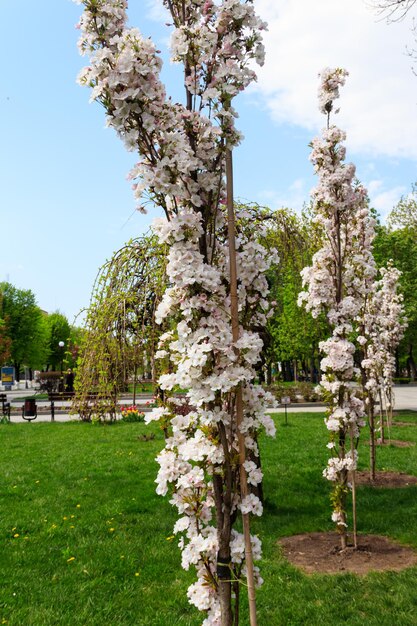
58, 331
26, 327
83, 560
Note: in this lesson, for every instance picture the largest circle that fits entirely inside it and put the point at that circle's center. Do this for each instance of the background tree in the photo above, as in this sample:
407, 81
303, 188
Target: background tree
58, 330
26, 327
5, 341
393, 10
293, 335
397, 241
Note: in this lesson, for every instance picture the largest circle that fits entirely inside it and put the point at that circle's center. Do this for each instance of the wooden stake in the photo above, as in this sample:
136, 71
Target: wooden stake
354, 512
234, 309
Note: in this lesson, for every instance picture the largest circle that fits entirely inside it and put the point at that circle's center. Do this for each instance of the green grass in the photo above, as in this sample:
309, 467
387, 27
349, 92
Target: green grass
88, 492
142, 387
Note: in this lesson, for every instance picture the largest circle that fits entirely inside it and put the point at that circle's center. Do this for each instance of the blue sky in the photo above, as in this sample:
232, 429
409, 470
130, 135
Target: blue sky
65, 203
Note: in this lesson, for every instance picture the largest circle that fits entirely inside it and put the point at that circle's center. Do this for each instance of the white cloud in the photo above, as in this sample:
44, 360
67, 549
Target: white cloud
157, 11
379, 101
296, 196
382, 199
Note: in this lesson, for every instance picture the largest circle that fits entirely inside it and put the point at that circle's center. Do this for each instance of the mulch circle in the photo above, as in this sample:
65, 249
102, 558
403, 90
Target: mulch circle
387, 479
320, 553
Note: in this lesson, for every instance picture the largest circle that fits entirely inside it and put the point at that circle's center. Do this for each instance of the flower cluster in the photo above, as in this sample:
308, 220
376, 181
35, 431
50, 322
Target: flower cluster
338, 283
182, 162
132, 414
330, 81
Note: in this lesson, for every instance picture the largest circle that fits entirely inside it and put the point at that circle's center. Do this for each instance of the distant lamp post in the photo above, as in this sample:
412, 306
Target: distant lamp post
62, 345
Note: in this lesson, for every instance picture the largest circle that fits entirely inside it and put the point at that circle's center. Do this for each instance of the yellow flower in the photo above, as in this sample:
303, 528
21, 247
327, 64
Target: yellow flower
16, 535
136, 573
72, 558
65, 517
111, 530
78, 506
171, 538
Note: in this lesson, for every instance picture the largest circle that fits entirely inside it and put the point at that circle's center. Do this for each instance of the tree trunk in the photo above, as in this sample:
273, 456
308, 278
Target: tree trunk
411, 363
269, 373
372, 447
312, 372
17, 371
222, 496
397, 364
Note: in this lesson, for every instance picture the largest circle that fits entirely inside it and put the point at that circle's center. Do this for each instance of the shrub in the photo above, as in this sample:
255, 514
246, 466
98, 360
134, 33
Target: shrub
308, 391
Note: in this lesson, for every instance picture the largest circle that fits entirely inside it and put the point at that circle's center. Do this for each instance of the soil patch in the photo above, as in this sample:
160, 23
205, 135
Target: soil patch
397, 443
320, 553
389, 480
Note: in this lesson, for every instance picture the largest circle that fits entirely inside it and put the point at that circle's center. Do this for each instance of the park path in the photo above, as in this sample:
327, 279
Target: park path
405, 399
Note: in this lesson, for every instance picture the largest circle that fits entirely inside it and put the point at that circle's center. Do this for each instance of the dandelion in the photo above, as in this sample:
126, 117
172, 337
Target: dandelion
72, 558
136, 573
16, 535
78, 506
111, 530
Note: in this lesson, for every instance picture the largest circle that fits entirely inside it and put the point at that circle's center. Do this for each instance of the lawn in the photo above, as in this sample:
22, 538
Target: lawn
85, 541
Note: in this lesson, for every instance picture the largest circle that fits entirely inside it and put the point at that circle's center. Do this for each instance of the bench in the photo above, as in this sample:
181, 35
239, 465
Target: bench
5, 406
58, 396
62, 396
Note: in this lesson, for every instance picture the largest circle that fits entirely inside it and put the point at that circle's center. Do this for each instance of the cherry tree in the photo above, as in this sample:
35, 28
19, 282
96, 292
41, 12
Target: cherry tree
341, 276
381, 327
218, 292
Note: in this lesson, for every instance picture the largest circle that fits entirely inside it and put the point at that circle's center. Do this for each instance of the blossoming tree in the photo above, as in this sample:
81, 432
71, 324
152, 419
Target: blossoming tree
381, 326
338, 281
216, 297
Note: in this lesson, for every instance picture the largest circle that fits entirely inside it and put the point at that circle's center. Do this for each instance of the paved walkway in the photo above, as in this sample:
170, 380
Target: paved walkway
405, 399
